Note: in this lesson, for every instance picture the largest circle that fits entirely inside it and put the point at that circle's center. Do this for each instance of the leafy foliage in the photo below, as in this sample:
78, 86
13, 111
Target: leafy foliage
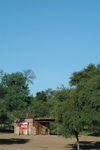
17, 91
83, 106
41, 96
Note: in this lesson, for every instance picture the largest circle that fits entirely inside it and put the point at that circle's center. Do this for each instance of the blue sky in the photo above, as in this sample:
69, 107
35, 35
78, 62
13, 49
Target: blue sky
54, 38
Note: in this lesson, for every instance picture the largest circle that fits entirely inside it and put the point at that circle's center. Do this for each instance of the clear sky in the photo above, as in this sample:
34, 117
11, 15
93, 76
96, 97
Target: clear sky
54, 38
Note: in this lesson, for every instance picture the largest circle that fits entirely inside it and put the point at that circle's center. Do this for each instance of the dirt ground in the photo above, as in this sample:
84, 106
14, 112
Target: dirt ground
46, 142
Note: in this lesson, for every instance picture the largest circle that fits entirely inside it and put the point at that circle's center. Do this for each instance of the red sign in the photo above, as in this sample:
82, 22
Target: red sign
24, 125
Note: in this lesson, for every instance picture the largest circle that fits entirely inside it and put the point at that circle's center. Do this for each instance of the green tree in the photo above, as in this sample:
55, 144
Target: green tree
17, 92
39, 108
3, 112
41, 105
3, 105
83, 106
55, 106
82, 76
2, 91
41, 96
70, 116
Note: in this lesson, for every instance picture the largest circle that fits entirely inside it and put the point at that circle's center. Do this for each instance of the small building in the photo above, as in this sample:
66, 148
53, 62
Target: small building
32, 126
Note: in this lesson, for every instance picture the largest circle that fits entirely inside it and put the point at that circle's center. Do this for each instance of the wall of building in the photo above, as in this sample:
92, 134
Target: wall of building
34, 128
41, 128
16, 128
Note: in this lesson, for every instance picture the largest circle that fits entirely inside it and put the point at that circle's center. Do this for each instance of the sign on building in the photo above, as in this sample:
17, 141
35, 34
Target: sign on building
23, 125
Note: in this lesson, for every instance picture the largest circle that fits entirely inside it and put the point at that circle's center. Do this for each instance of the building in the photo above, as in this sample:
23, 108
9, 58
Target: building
32, 126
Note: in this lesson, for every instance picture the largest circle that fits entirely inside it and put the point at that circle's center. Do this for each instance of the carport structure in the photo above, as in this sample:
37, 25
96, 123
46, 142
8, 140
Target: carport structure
32, 126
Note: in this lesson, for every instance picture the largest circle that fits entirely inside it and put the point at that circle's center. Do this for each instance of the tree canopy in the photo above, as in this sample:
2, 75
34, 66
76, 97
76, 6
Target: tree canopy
83, 105
17, 90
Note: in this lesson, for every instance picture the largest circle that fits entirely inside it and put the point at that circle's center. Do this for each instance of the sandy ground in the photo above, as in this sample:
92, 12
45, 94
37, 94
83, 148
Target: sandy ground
46, 142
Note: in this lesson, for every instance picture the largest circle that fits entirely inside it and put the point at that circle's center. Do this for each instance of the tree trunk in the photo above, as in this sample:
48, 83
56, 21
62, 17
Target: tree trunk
76, 134
78, 143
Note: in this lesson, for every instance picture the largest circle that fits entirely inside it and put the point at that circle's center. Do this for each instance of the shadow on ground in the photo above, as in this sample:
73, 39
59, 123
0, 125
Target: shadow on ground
84, 145
13, 141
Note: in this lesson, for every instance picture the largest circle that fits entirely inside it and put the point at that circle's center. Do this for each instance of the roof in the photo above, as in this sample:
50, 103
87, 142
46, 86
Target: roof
18, 120
44, 119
